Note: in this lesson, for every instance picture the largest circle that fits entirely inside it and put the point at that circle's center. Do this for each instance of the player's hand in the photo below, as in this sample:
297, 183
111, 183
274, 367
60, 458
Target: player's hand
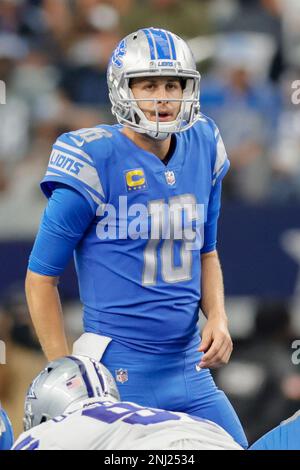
216, 344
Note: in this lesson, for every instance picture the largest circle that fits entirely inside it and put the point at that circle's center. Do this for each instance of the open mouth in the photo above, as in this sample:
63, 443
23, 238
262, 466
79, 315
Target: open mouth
164, 117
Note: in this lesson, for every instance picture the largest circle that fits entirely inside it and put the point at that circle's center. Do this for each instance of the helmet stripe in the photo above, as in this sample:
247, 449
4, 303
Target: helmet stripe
100, 378
84, 374
161, 44
170, 36
151, 44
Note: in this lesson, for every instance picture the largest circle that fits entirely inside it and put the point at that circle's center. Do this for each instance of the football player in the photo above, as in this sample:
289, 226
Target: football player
74, 404
138, 203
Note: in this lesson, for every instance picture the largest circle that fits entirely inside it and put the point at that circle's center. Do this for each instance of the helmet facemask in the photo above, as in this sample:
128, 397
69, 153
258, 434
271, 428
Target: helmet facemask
128, 112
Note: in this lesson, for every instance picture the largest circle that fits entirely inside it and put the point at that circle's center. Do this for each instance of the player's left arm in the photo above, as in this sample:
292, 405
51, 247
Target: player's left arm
216, 341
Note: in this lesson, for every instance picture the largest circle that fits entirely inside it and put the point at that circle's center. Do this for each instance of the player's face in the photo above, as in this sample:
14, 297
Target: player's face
160, 88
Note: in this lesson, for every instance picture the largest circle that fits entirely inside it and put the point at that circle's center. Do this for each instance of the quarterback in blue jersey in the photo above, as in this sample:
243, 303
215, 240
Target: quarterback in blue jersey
138, 204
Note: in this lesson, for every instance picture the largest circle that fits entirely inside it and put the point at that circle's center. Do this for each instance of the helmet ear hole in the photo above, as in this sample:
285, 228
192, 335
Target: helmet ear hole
44, 419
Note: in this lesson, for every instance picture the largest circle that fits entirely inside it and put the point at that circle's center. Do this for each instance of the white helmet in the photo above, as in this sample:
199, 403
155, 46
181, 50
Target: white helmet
153, 52
65, 383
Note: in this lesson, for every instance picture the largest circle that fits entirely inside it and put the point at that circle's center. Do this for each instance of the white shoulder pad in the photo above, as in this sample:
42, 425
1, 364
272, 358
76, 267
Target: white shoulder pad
91, 345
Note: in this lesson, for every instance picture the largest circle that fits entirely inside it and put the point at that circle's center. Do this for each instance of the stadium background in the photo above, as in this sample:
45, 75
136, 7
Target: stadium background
53, 56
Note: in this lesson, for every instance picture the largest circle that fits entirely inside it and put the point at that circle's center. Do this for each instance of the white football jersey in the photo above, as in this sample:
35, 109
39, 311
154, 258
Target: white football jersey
108, 425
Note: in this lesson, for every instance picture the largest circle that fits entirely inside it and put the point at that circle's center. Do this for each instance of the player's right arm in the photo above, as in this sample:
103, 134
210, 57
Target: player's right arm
46, 314
73, 187
64, 222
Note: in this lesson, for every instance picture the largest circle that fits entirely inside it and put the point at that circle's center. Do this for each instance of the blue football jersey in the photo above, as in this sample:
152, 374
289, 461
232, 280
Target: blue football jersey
286, 436
6, 431
138, 264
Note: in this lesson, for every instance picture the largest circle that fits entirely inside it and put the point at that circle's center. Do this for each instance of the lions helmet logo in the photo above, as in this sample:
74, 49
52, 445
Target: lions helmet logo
118, 54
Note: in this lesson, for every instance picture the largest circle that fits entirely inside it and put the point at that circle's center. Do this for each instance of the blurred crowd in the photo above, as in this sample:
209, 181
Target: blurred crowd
53, 59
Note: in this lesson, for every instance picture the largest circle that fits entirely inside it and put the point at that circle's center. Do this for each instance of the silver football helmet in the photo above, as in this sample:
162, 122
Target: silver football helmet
149, 53
63, 384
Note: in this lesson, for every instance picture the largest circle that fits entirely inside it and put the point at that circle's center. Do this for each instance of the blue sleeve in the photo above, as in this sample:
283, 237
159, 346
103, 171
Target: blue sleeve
221, 163
211, 224
71, 163
65, 220
283, 437
264, 443
273, 440
6, 431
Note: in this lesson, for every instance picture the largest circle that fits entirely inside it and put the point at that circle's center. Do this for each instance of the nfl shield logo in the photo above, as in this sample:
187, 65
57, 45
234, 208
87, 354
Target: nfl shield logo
121, 375
170, 177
